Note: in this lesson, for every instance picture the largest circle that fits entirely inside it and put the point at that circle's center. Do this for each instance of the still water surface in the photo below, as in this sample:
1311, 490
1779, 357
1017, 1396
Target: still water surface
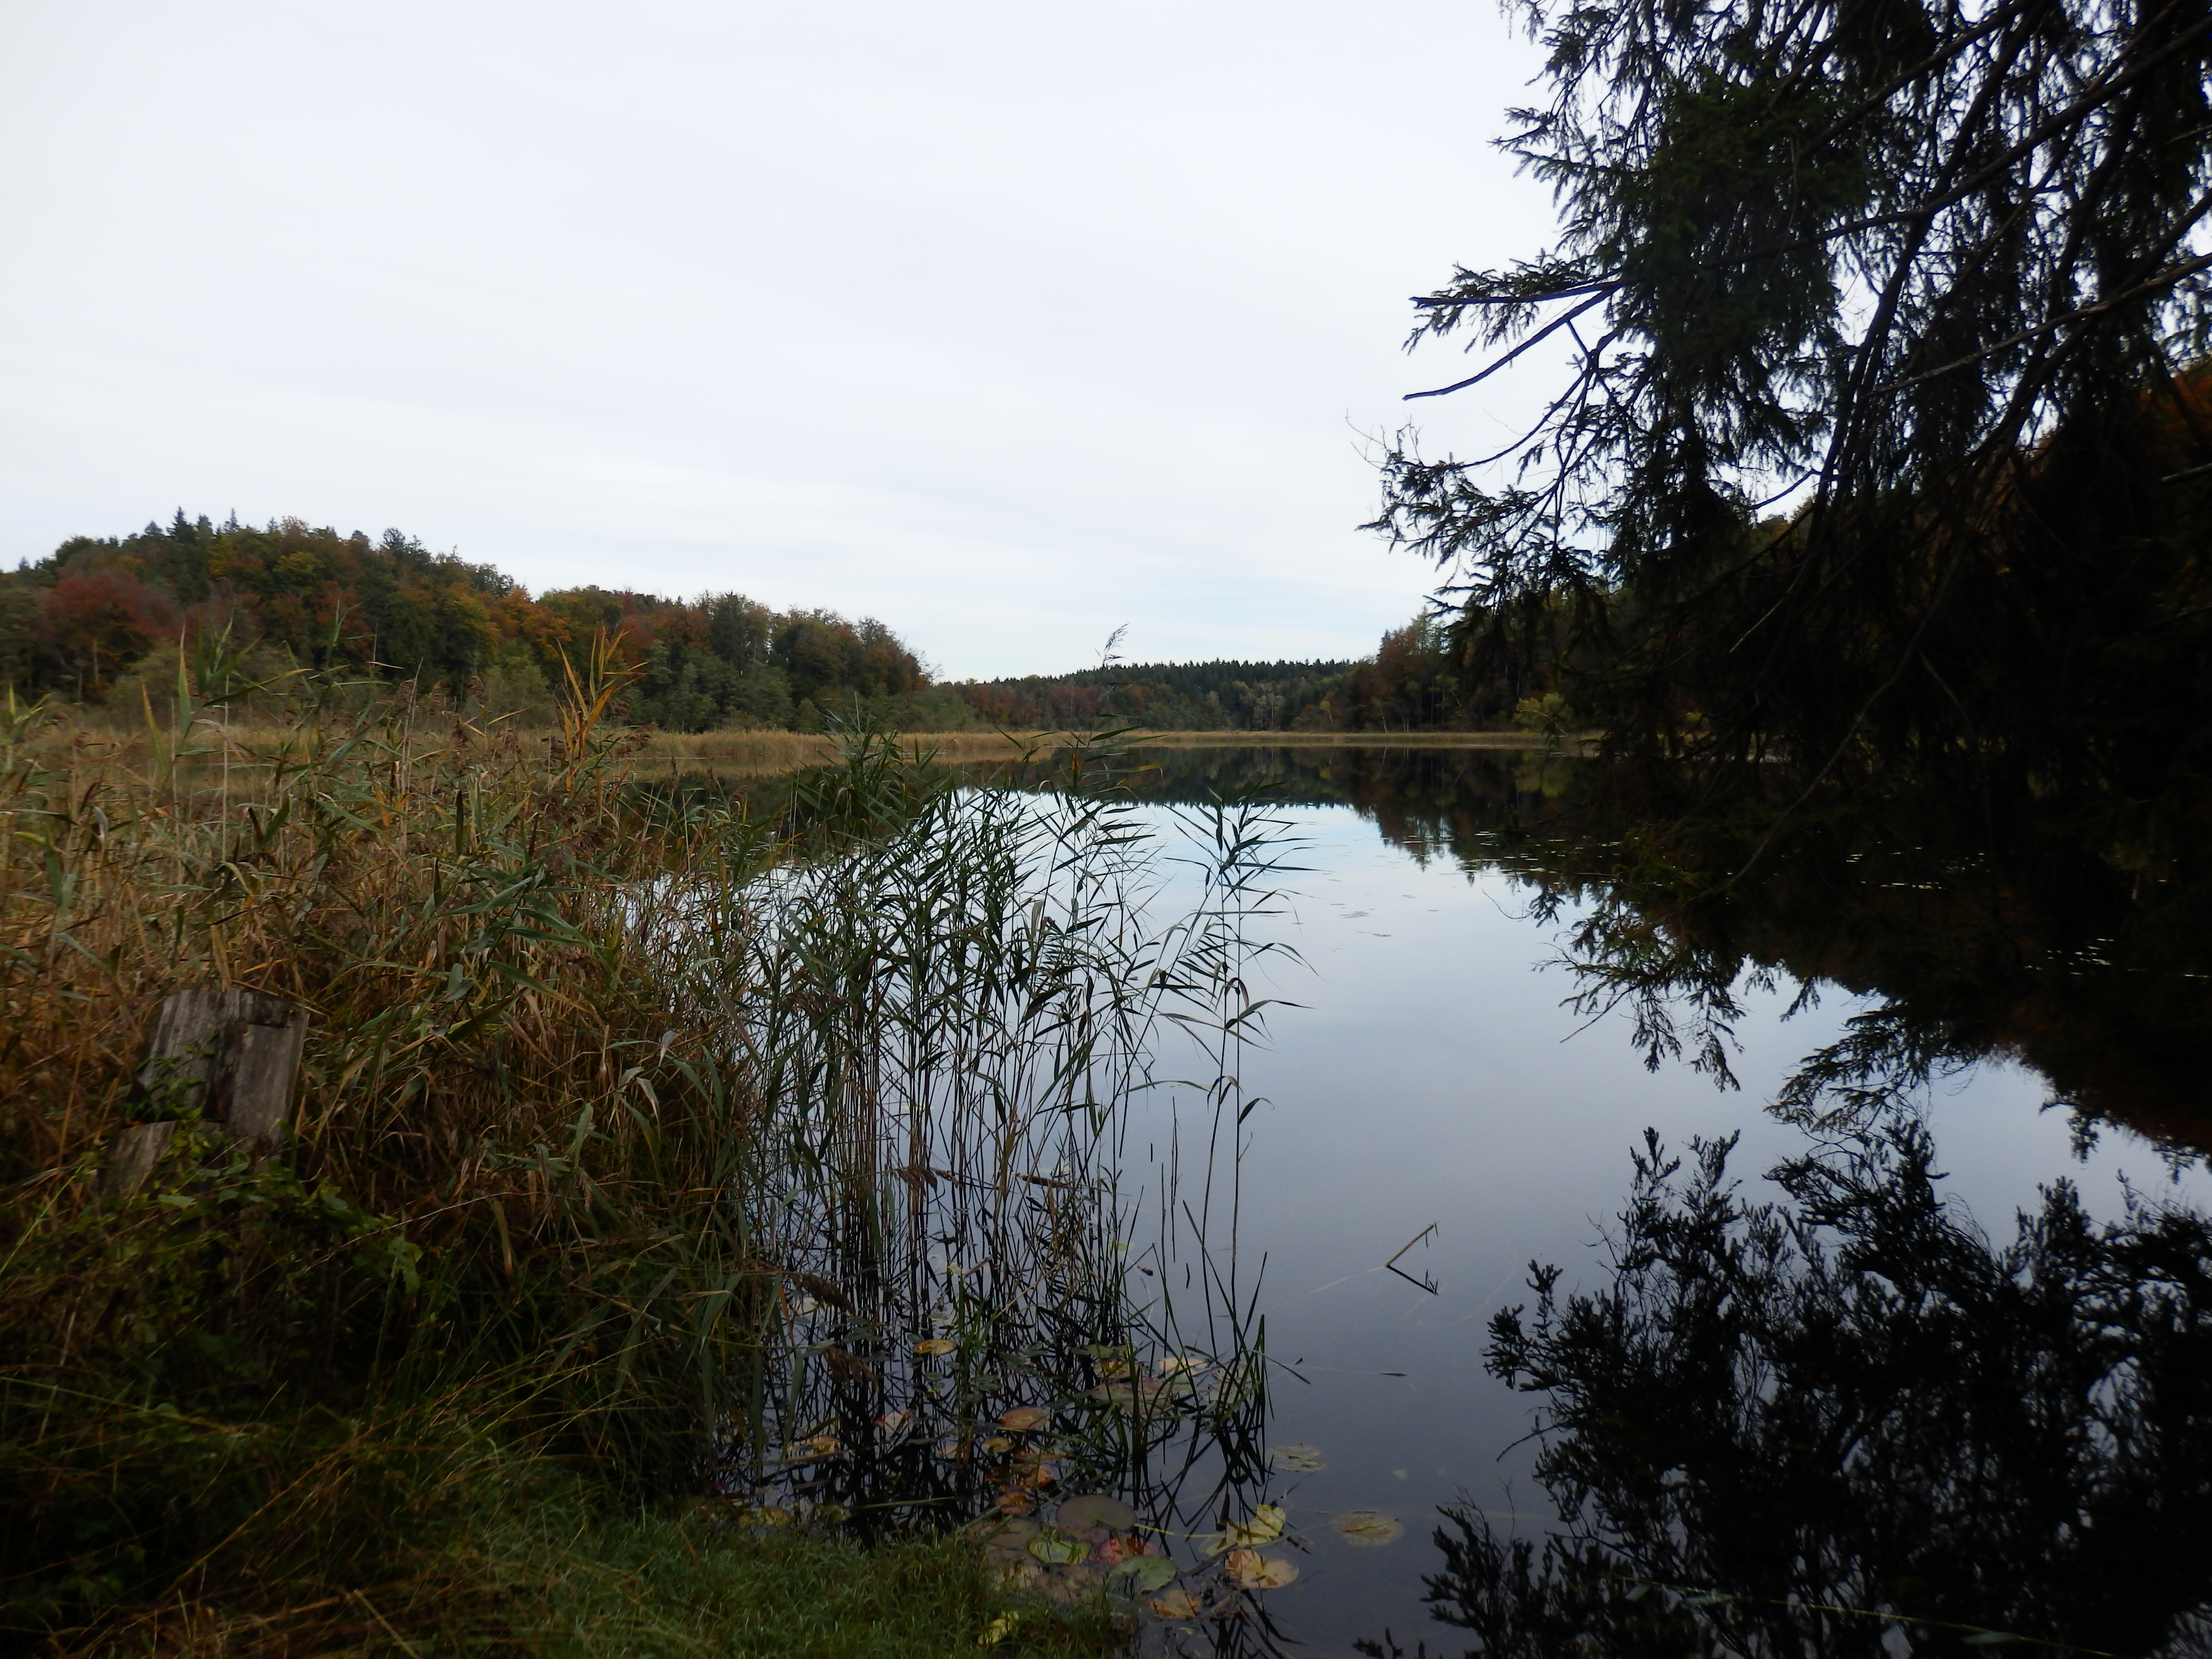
1432, 1086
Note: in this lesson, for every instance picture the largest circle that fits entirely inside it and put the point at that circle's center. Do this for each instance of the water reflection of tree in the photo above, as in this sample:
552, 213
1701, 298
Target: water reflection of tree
1852, 1400
1979, 931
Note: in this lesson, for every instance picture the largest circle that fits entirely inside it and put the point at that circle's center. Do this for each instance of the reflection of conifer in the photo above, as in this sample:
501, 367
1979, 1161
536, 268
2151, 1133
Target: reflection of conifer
1851, 1409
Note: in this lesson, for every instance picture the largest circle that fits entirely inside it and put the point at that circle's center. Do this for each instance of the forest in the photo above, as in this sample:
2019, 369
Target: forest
253, 607
268, 603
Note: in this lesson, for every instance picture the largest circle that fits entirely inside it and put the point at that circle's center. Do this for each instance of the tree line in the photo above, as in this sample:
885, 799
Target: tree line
101, 614
1427, 675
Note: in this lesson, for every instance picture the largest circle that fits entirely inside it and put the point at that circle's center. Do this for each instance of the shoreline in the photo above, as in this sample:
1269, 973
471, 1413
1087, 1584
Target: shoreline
800, 748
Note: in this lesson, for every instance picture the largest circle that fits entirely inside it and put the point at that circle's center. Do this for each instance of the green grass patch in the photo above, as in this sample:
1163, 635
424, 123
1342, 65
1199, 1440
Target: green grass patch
661, 1587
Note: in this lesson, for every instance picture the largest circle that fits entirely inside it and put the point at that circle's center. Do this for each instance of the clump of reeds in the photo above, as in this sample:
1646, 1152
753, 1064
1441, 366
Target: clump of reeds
610, 1091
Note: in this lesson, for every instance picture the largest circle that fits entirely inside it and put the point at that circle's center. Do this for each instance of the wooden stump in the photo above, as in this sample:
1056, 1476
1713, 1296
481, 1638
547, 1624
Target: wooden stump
223, 1057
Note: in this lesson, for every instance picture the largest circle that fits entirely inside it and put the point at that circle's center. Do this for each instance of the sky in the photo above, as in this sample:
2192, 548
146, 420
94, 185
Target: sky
1008, 324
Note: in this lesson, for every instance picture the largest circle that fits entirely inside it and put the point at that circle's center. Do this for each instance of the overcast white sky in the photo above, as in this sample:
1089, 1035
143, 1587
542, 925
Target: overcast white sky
1006, 323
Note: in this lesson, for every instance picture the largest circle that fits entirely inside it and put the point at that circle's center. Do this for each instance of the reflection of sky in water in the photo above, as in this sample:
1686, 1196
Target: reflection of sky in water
1434, 1077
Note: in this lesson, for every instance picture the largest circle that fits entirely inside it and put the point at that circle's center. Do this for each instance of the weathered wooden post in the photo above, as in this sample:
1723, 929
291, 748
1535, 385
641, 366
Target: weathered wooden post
225, 1057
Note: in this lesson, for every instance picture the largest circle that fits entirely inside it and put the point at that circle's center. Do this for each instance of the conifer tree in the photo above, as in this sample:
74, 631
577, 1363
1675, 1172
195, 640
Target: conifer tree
1881, 434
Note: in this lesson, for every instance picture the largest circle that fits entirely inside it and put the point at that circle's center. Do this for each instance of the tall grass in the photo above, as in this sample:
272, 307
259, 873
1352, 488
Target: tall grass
633, 1135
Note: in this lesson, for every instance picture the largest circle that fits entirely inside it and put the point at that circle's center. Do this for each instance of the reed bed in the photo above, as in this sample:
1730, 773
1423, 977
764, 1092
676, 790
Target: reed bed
639, 1143
753, 754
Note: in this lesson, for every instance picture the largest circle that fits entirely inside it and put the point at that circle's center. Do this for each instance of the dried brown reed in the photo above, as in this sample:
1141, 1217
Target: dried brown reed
601, 1079
195, 1382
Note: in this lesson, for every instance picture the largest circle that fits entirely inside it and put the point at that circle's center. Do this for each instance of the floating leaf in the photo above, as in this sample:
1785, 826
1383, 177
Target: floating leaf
1051, 1547
1264, 1527
1249, 1570
930, 1347
819, 1445
1139, 1395
1012, 1536
1176, 1365
1034, 1467
892, 1422
1018, 1572
1369, 1529
998, 1442
1294, 1458
1088, 1510
1068, 1585
1024, 1419
1140, 1575
1175, 1604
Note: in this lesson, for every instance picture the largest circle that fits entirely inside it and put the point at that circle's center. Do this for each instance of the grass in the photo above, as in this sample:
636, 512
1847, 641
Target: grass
657, 1587
637, 1142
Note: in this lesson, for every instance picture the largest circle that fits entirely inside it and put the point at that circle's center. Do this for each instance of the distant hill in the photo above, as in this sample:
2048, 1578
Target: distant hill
98, 611
101, 614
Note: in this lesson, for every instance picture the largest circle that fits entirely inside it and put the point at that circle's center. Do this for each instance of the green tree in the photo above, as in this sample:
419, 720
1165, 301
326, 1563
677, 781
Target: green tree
1928, 278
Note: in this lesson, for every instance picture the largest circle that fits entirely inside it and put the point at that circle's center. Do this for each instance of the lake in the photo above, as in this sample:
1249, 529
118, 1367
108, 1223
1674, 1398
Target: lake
1819, 1262
1434, 1090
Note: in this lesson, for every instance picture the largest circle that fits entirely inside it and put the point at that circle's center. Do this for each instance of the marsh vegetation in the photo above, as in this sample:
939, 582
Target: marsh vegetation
650, 1159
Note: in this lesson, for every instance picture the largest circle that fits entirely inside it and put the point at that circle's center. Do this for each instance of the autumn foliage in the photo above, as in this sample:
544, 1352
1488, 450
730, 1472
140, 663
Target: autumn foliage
291, 596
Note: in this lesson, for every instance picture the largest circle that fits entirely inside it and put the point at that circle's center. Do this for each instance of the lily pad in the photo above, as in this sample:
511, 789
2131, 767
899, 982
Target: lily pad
1140, 1575
1139, 1395
1012, 1536
1057, 1551
1369, 1529
1122, 1546
1177, 1604
998, 1442
930, 1347
1069, 1585
1024, 1419
1264, 1527
1293, 1458
1249, 1570
1086, 1510
892, 1422
1018, 1572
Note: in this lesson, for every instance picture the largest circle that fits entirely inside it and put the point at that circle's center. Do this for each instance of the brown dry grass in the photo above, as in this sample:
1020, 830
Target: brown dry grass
528, 1224
746, 754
